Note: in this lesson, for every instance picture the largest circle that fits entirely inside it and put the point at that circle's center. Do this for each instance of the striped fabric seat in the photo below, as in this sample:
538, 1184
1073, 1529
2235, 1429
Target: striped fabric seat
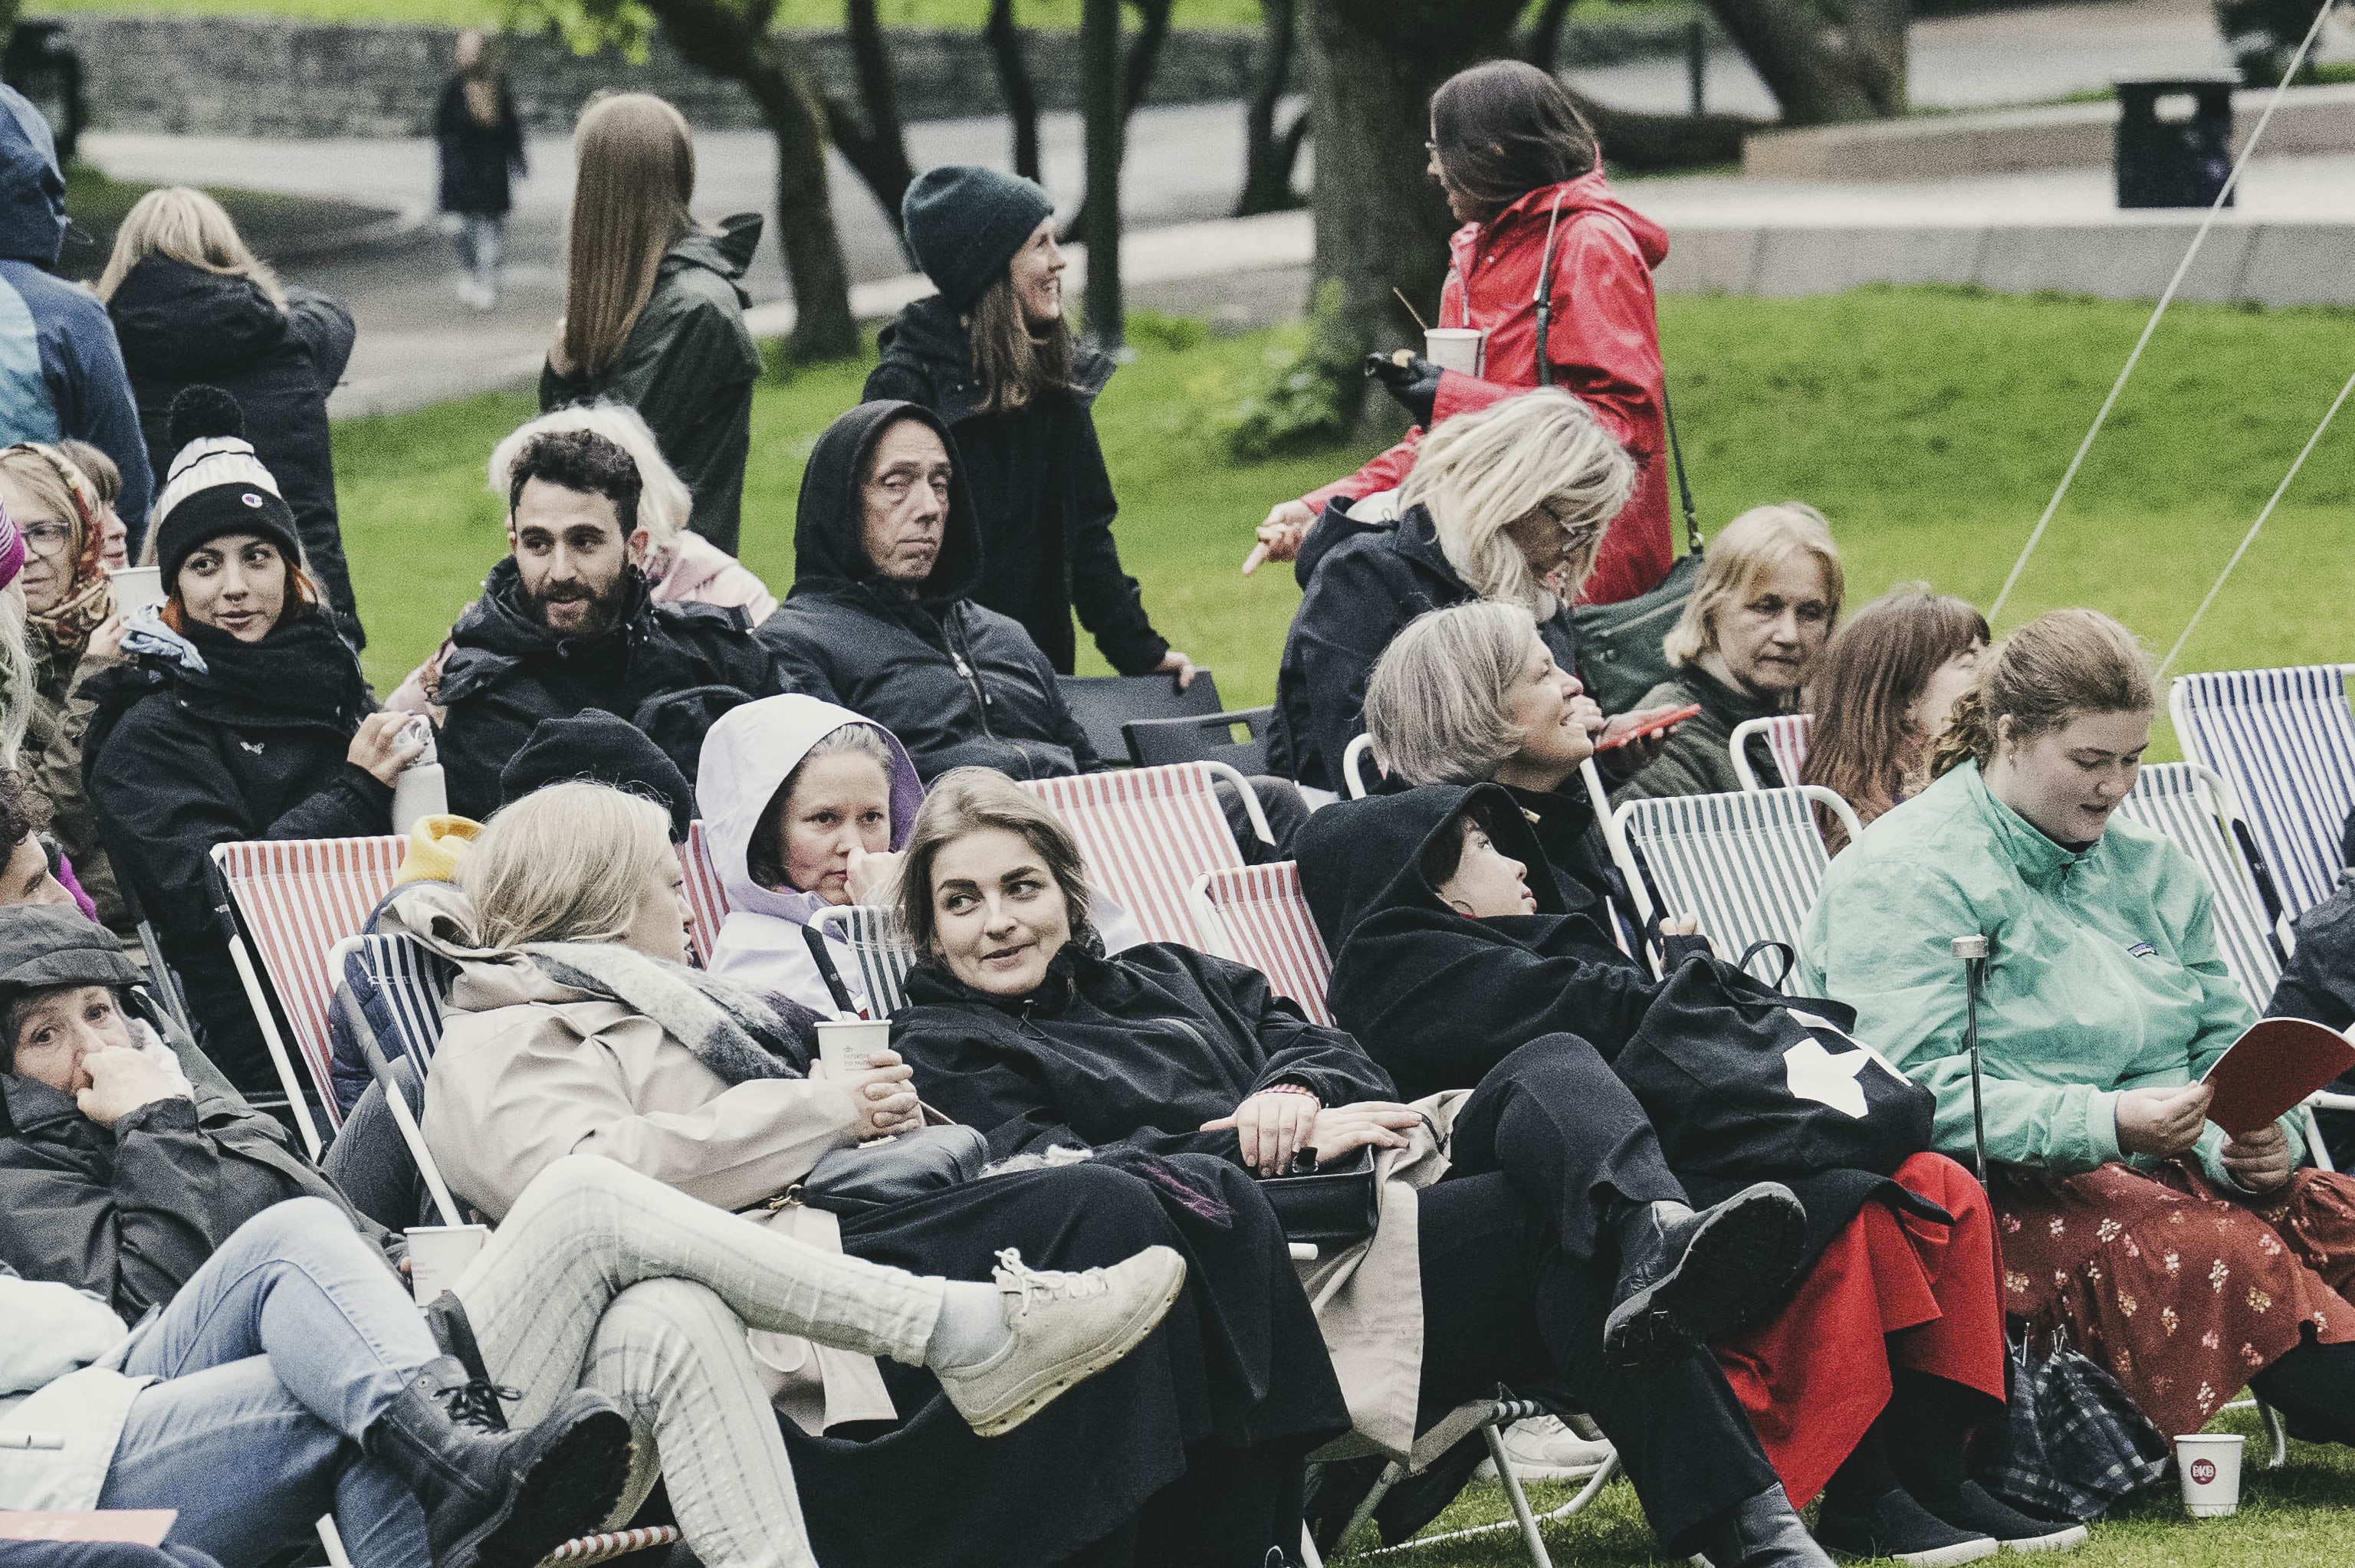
1785, 735
2186, 803
1148, 835
873, 935
2283, 742
705, 895
584, 1550
1748, 864
1256, 915
294, 899
398, 985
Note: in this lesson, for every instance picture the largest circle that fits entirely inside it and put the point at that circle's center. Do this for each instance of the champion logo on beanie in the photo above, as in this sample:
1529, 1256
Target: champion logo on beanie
216, 485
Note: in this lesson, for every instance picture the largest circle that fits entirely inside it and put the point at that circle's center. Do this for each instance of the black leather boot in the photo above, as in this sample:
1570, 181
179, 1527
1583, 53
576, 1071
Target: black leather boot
1760, 1532
1686, 1277
497, 1499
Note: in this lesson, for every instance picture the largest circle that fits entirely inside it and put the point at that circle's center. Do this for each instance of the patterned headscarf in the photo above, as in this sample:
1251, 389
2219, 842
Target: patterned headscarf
89, 596
12, 547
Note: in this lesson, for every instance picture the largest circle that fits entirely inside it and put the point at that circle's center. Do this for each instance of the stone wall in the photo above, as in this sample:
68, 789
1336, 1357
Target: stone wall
235, 76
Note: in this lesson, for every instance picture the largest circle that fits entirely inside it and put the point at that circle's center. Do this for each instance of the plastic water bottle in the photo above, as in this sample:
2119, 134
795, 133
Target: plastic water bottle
420, 791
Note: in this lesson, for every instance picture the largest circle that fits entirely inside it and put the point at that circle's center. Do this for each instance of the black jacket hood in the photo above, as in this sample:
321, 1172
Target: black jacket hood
829, 550
32, 191
45, 945
1363, 858
182, 323
729, 251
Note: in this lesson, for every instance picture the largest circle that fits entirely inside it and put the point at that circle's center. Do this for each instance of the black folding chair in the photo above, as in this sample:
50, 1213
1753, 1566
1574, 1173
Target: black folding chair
1103, 704
1238, 739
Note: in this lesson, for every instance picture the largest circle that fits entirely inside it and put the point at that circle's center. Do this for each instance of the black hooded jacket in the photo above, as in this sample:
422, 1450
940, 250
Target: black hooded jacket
1143, 1048
1436, 997
181, 325
958, 684
1039, 487
506, 672
1361, 583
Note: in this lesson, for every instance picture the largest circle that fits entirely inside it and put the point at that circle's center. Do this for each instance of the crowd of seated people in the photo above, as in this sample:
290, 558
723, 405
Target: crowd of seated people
1017, 1290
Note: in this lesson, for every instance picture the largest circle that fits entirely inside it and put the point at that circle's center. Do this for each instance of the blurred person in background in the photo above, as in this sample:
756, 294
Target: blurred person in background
1882, 694
481, 146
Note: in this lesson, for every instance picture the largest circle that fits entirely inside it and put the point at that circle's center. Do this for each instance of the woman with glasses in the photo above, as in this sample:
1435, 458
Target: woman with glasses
1745, 648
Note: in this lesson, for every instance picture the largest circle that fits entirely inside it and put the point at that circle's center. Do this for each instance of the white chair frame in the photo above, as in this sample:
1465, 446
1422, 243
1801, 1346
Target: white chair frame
1354, 758
1785, 735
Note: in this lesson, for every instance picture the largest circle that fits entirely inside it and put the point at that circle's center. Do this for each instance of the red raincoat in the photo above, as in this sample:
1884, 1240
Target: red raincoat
1604, 342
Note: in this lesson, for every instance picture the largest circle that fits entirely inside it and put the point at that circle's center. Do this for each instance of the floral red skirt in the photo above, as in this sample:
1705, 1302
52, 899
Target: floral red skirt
1892, 1290
2180, 1291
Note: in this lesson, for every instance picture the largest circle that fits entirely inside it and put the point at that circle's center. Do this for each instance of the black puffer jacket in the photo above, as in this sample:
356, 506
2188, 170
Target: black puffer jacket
180, 325
254, 748
477, 160
506, 672
1040, 489
1143, 1048
958, 684
1362, 582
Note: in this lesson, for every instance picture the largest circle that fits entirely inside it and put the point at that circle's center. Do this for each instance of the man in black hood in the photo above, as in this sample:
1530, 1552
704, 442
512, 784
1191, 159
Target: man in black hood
567, 623
881, 619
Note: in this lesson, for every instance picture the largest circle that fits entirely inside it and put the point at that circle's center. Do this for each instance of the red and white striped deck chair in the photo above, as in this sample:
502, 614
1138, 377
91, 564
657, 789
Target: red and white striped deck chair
705, 895
1149, 834
1785, 735
292, 900
1256, 915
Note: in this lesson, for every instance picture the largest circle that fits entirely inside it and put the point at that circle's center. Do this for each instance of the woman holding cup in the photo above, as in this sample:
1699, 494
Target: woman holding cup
1523, 174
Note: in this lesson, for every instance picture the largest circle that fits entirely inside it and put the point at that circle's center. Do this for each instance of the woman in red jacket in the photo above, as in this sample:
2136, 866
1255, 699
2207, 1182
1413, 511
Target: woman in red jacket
1523, 173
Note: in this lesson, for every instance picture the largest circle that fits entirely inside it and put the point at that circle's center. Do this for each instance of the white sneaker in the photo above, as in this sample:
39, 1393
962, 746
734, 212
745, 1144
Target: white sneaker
1064, 1327
1542, 1449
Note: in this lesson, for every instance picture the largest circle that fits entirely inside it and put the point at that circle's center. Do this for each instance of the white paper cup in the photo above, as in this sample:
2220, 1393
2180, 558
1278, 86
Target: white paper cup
2209, 1466
135, 588
849, 1046
1454, 348
438, 1254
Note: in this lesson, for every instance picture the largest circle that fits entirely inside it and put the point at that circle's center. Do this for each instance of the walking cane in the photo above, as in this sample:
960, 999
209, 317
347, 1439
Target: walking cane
1973, 951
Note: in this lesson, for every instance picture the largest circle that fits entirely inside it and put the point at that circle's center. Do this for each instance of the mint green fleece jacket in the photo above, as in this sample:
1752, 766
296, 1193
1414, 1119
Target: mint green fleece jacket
2105, 975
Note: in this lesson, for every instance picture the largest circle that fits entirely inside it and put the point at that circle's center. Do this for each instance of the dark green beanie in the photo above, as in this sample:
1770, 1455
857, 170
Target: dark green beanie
965, 224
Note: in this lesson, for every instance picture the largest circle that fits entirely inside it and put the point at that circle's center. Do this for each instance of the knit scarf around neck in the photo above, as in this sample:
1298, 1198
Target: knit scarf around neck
736, 1032
301, 669
66, 626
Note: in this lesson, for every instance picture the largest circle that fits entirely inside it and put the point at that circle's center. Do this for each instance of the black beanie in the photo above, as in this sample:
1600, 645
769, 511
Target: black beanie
606, 749
964, 223
216, 485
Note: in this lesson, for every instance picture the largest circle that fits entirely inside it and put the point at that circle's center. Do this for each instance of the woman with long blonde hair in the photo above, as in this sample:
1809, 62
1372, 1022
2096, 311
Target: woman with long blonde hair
652, 313
192, 305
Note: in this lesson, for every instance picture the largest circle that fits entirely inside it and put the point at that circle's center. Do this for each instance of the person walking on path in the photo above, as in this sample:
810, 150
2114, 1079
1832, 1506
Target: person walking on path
654, 315
192, 304
480, 142
993, 356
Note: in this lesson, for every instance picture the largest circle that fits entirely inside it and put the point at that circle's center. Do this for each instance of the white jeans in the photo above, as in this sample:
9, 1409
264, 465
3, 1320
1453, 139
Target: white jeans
604, 1278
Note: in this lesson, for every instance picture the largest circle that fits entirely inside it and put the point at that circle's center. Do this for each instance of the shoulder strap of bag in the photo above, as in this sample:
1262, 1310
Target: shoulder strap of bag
826, 972
1779, 950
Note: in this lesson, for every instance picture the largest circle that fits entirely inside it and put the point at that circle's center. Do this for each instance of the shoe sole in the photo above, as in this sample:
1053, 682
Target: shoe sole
1051, 1384
1936, 1557
2067, 1539
566, 1490
1734, 1262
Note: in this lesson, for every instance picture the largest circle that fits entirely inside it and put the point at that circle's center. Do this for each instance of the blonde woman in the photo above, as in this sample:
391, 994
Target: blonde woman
653, 315
1768, 598
1509, 504
192, 304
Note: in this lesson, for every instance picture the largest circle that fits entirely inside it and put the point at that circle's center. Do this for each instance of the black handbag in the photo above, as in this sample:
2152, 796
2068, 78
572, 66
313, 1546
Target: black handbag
891, 1171
1745, 1084
1330, 1205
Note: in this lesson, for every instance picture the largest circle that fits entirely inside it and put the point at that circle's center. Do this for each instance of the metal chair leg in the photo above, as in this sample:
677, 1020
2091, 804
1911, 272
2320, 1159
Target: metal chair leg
1389, 1477
1529, 1535
1308, 1556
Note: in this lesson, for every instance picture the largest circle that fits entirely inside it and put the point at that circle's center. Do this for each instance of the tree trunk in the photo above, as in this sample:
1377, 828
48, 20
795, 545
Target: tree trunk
1822, 70
1014, 85
1541, 44
1135, 71
1100, 101
871, 141
1270, 155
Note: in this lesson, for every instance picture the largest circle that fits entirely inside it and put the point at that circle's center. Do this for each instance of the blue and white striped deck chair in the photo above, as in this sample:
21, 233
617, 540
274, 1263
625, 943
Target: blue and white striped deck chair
397, 986
1748, 864
2285, 742
884, 958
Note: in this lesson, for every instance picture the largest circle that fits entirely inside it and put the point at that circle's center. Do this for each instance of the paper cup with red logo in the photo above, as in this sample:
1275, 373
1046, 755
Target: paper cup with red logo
2210, 1465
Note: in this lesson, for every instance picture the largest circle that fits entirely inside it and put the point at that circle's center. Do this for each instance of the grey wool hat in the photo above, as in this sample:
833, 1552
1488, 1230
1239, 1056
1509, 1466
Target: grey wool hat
964, 223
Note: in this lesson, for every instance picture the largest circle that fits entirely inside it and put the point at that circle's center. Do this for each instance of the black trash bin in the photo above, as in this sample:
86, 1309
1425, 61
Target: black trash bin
2175, 140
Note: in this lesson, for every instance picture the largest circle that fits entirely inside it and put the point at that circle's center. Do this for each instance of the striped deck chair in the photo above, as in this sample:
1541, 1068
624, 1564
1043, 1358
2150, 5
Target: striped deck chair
2285, 742
1256, 915
705, 896
873, 935
1785, 735
1749, 865
396, 986
2187, 803
1148, 835
1356, 760
292, 900
581, 1552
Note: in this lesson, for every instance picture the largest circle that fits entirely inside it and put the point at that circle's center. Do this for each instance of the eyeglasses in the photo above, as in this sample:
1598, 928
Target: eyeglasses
47, 539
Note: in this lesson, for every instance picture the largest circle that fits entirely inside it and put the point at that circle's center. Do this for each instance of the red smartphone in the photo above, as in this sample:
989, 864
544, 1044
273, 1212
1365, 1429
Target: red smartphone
1650, 726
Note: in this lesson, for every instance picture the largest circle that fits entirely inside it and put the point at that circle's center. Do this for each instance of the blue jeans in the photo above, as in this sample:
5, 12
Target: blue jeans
276, 1358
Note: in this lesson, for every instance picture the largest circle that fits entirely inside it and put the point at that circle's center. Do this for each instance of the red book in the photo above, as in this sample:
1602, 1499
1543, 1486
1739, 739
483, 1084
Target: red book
2270, 1070
143, 1525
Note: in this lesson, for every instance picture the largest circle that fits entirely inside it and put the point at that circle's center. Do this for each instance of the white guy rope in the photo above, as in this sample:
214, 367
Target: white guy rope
2184, 269
2251, 537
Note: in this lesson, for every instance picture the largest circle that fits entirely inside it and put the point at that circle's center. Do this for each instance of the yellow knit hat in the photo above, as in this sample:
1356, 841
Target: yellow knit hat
436, 845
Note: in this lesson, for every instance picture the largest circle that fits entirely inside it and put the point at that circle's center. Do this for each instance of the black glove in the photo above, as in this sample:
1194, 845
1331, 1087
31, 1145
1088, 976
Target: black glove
1414, 384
